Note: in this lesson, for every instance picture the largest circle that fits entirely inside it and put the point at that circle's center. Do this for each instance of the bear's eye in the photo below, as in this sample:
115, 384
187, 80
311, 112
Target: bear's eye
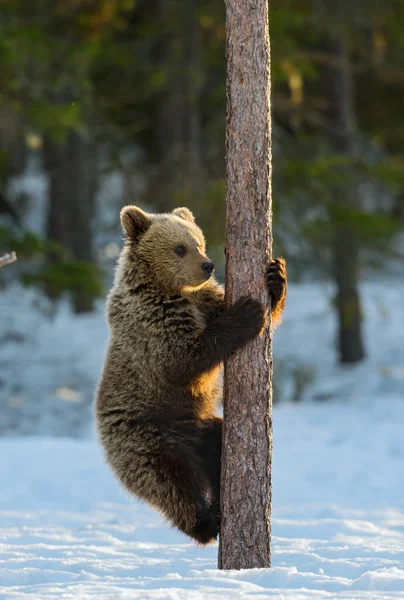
180, 250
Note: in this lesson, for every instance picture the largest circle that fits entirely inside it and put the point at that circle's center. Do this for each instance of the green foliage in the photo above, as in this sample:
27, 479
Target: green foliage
320, 195
54, 119
27, 245
373, 230
47, 52
321, 174
390, 172
148, 82
65, 275
59, 275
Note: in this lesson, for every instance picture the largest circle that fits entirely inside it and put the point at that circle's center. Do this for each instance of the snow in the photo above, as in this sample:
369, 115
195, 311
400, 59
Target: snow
68, 531
50, 363
29, 192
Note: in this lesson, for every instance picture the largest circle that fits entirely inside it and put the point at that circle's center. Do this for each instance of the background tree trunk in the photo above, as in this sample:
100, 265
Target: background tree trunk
71, 168
13, 147
346, 251
247, 434
178, 117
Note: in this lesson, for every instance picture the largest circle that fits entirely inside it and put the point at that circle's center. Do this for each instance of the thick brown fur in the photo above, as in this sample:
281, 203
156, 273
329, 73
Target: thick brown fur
170, 332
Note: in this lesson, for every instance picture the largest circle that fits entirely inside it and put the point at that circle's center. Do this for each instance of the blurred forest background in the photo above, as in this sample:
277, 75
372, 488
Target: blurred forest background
111, 102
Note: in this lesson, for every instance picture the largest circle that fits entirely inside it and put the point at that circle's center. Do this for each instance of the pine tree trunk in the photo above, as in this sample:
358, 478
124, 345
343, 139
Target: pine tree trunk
81, 154
192, 164
346, 250
346, 271
70, 164
178, 120
13, 147
247, 430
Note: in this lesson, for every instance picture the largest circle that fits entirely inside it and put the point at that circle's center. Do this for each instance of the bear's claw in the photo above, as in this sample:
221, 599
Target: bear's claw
276, 280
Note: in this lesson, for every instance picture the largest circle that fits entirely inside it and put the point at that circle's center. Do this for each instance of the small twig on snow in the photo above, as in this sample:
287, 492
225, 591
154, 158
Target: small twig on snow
7, 259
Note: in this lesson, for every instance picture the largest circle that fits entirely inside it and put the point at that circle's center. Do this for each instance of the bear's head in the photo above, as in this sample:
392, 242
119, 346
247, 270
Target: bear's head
170, 246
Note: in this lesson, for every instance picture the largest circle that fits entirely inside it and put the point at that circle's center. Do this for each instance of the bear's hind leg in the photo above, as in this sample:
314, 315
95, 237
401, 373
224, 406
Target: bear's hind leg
187, 495
210, 451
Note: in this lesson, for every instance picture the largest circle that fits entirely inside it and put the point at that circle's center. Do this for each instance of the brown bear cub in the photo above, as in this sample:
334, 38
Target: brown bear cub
170, 332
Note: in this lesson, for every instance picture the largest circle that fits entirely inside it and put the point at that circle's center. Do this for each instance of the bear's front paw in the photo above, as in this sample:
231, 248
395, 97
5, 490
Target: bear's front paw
249, 317
276, 280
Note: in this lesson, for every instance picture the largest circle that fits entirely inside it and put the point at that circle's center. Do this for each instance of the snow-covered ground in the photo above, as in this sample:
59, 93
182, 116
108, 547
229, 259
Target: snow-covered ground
49, 365
67, 530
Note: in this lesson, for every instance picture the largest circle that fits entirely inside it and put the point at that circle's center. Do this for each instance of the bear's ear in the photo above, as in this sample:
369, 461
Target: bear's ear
134, 221
184, 213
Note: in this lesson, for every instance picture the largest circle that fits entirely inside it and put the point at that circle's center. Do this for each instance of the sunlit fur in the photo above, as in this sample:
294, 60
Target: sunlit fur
160, 386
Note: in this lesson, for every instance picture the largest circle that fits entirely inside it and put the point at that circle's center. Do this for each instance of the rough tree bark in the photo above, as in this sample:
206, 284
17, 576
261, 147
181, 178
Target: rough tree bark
247, 431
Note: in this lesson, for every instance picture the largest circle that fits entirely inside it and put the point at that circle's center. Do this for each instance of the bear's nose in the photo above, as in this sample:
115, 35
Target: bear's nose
207, 267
